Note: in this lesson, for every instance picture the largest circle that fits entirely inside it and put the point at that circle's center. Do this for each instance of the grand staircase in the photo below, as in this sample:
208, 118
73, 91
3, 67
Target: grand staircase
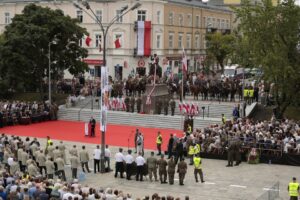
134, 119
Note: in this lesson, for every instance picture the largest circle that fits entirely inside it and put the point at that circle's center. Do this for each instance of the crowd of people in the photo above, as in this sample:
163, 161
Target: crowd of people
31, 170
20, 112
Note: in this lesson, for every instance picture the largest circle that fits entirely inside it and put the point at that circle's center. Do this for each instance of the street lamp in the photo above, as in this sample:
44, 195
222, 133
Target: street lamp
49, 69
123, 11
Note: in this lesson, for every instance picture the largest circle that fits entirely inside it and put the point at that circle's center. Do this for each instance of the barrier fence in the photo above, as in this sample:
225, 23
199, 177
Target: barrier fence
271, 193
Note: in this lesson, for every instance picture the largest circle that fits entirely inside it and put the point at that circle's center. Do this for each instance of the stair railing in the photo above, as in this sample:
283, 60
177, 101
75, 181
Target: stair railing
79, 112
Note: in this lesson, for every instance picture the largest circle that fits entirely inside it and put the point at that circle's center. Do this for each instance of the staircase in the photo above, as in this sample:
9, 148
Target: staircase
134, 119
212, 109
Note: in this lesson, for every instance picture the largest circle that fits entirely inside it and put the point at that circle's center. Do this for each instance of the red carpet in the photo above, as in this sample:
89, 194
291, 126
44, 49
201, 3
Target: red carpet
117, 135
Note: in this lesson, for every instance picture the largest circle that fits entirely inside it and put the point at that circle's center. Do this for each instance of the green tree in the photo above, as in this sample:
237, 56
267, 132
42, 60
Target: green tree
24, 48
272, 35
220, 47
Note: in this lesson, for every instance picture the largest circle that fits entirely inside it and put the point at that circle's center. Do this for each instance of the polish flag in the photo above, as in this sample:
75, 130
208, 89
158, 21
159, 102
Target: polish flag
144, 38
88, 41
117, 43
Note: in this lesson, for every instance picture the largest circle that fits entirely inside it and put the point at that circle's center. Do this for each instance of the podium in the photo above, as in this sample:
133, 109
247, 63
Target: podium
87, 129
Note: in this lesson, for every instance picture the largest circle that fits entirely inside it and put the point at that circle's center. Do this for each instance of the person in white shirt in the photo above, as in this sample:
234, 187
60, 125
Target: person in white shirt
140, 162
107, 155
140, 144
97, 156
129, 164
119, 157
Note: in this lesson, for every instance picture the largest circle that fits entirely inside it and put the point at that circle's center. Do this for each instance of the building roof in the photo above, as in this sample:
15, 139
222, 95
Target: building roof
201, 4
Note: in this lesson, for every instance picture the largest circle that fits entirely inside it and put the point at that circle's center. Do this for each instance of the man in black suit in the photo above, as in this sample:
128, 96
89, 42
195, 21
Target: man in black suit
93, 125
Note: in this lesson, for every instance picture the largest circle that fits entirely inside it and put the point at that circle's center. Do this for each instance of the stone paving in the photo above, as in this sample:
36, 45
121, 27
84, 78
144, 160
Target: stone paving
241, 182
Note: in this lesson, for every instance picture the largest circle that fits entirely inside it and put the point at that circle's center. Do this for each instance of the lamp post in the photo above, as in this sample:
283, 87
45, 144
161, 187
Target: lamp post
123, 11
49, 70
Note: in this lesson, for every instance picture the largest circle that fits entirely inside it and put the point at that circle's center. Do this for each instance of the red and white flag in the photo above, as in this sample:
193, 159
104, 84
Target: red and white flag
88, 41
184, 61
117, 43
144, 38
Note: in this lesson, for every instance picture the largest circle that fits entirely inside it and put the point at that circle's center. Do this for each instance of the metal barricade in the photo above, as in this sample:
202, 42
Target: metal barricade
271, 193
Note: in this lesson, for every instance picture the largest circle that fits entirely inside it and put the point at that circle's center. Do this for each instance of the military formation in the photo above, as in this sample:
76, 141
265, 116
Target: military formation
162, 106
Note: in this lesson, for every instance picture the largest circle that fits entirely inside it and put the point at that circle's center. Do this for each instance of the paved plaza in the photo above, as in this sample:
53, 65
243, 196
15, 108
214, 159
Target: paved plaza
242, 182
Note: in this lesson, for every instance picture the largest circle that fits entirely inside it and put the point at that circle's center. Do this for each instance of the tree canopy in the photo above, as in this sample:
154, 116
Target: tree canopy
271, 37
219, 47
24, 47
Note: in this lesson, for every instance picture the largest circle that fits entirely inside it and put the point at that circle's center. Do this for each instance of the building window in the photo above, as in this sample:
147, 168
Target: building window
119, 18
218, 23
189, 20
227, 24
141, 15
171, 40
7, 18
188, 41
97, 40
214, 23
208, 23
79, 15
197, 23
197, 41
158, 17
180, 20
99, 15
222, 24
158, 41
180, 38
171, 16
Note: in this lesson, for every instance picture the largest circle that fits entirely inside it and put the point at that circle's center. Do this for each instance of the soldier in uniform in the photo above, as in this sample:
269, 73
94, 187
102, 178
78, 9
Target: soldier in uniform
172, 105
41, 160
73, 151
158, 106
126, 101
62, 149
50, 168
181, 169
32, 169
171, 170
230, 152
166, 106
237, 153
162, 169
84, 159
14, 167
152, 166
24, 158
61, 167
132, 103
138, 104
56, 154
74, 165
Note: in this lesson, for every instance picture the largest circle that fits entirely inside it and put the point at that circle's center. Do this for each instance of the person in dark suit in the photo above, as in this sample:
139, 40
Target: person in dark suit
93, 125
179, 151
170, 146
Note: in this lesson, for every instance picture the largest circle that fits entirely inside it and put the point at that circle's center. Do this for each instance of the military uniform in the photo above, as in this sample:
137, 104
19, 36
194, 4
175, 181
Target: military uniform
126, 101
61, 168
230, 153
41, 160
172, 105
171, 171
181, 169
162, 170
14, 168
152, 167
62, 149
24, 158
132, 102
73, 152
74, 165
138, 104
32, 170
84, 159
50, 169
158, 106
166, 107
